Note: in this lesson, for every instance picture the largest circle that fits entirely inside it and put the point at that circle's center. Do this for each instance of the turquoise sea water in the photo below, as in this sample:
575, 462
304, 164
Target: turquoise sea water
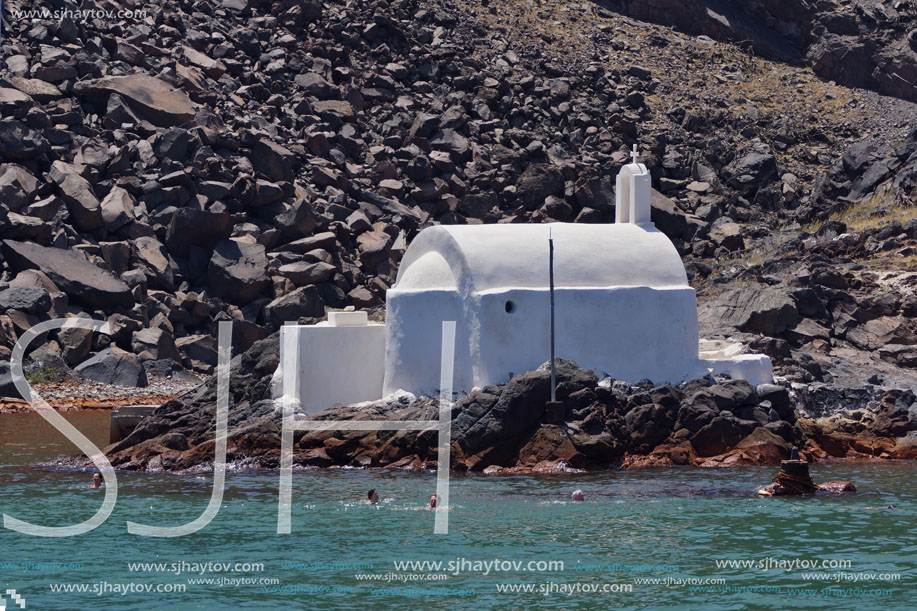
682, 525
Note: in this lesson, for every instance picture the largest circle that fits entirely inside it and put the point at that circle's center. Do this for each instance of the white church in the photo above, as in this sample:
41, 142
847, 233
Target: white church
623, 308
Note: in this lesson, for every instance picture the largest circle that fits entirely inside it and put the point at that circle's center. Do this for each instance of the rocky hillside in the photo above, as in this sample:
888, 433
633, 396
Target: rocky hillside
183, 163
870, 44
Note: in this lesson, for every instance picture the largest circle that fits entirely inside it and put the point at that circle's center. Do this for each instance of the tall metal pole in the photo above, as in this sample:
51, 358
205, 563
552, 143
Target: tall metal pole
551, 274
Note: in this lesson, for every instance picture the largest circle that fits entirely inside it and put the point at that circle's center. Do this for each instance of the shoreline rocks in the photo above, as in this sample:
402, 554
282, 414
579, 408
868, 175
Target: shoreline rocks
505, 429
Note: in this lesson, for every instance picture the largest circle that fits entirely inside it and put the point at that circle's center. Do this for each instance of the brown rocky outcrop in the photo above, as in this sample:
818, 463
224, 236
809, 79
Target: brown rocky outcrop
793, 479
502, 429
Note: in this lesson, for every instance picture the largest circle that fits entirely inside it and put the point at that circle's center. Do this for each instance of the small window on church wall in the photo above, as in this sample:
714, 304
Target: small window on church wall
510, 307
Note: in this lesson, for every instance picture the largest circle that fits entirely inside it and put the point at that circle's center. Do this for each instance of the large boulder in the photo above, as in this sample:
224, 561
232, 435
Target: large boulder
33, 300
33, 278
488, 426
238, 271
113, 366
75, 344
200, 349
758, 309
16, 186
13, 101
726, 234
896, 69
71, 271
19, 142
117, 209
153, 256
37, 89
302, 273
192, 227
753, 169
154, 344
537, 182
670, 219
273, 161
77, 193
716, 437
7, 388
156, 100
302, 302
648, 425
845, 59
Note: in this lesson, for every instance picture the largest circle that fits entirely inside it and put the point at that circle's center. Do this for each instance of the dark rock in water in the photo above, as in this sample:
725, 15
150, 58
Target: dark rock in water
836, 486
793, 479
113, 366
71, 271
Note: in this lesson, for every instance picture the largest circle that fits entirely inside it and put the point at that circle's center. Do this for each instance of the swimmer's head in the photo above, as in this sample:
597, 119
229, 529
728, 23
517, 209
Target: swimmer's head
578, 496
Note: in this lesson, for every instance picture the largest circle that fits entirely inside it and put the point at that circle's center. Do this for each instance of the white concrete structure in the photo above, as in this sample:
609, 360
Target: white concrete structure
338, 362
731, 358
633, 192
623, 304
623, 308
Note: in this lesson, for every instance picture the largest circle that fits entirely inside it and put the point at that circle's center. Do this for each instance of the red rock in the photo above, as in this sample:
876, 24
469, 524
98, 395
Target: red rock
665, 455
837, 486
764, 447
550, 443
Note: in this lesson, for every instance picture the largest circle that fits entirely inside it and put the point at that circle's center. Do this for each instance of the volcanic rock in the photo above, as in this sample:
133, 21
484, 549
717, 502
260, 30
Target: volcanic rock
156, 100
71, 271
113, 366
238, 271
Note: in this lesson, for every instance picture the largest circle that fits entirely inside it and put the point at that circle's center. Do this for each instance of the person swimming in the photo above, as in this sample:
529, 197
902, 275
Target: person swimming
578, 496
96, 480
433, 500
372, 497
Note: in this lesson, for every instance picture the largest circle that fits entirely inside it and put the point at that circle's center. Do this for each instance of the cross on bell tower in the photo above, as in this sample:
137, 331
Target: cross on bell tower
633, 193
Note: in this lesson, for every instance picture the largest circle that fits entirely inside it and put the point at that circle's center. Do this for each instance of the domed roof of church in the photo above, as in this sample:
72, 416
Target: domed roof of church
488, 257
